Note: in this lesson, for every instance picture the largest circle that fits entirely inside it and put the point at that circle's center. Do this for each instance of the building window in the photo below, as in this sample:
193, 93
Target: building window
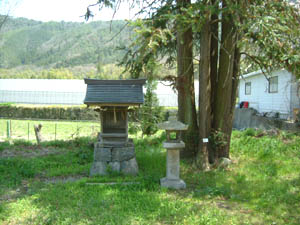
248, 88
273, 84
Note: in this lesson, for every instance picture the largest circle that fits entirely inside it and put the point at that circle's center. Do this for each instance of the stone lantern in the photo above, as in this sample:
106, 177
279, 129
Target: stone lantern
173, 144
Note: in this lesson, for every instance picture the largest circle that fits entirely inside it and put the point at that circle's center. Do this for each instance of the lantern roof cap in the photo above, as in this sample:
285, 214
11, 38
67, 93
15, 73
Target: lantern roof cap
173, 125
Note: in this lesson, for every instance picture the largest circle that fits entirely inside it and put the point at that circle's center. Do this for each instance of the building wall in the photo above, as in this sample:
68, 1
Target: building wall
263, 101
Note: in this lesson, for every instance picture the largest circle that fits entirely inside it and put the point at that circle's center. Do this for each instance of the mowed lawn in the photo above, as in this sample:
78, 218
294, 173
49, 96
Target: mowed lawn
262, 186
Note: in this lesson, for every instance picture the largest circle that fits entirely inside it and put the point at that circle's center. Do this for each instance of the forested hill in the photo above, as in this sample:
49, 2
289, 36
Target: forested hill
60, 44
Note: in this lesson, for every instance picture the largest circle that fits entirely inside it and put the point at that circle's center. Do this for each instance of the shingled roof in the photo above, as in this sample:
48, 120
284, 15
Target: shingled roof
114, 92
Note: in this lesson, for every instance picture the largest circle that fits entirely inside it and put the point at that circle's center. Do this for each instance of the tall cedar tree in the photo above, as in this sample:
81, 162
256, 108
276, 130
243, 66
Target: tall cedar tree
228, 31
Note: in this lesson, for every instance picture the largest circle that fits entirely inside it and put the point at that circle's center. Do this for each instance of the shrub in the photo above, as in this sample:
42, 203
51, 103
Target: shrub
4, 145
56, 144
249, 132
48, 112
6, 104
133, 127
150, 113
14, 170
22, 142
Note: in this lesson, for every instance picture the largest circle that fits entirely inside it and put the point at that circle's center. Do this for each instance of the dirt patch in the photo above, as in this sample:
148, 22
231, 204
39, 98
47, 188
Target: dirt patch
11, 195
67, 179
29, 152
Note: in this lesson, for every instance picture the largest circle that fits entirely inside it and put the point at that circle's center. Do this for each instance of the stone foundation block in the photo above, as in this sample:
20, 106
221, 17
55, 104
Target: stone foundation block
115, 166
98, 168
129, 167
119, 159
102, 154
122, 154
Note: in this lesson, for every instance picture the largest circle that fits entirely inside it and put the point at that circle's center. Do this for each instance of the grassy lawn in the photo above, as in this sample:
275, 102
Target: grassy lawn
51, 130
262, 186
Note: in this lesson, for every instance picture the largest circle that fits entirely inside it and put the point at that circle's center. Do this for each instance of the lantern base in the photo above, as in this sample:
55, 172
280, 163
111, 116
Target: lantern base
172, 183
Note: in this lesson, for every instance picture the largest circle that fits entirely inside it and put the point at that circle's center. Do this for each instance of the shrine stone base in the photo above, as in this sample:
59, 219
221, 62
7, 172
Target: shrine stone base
117, 159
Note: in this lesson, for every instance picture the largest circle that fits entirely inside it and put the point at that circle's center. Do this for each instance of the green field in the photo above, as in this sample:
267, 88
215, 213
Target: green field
51, 130
262, 186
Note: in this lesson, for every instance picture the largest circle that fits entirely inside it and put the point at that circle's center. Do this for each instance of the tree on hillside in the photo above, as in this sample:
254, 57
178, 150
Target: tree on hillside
6, 6
228, 32
2, 20
3, 14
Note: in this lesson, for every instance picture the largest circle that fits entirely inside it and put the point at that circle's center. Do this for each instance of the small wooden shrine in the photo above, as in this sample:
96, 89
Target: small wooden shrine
112, 98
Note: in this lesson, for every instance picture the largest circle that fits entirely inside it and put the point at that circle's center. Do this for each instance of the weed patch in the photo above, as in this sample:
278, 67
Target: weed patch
4, 145
14, 170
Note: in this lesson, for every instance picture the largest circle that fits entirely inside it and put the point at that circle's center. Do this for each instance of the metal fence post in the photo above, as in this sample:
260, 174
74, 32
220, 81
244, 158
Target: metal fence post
28, 130
77, 130
8, 129
55, 131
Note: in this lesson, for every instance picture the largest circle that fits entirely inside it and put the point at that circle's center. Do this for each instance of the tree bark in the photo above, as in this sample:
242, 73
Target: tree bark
235, 82
214, 56
204, 96
222, 107
185, 85
218, 80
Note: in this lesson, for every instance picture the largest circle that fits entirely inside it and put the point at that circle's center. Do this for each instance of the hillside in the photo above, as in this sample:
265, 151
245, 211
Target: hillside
26, 42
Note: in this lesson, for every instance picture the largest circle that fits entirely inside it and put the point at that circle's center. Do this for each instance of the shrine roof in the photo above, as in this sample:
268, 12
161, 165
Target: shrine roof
114, 92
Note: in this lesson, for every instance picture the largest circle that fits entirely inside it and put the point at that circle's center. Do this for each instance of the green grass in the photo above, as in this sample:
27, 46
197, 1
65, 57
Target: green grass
262, 186
51, 130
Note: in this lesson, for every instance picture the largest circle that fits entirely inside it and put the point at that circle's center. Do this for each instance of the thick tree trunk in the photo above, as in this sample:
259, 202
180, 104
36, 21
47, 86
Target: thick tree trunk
223, 98
185, 86
235, 81
204, 97
218, 80
214, 56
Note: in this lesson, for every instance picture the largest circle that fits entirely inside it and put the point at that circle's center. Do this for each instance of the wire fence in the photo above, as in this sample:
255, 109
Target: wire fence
42, 97
51, 130
66, 98
68, 92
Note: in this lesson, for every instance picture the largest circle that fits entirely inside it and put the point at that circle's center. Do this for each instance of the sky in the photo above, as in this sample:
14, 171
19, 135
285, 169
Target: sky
61, 10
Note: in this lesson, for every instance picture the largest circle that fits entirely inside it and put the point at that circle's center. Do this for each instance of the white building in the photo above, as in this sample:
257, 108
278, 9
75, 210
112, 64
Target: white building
277, 92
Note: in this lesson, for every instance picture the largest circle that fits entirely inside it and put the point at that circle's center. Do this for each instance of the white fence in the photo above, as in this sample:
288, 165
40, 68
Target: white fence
66, 92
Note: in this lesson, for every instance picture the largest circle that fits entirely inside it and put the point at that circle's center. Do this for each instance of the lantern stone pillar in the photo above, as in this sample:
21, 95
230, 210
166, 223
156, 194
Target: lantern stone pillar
173, 144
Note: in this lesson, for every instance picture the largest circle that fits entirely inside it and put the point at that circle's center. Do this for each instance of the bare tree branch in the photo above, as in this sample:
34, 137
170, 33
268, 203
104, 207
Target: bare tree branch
3, 21
257, 62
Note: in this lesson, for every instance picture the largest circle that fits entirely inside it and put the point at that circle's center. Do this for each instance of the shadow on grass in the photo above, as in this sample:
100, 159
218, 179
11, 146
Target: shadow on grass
269, 195
100, 205
78, 203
